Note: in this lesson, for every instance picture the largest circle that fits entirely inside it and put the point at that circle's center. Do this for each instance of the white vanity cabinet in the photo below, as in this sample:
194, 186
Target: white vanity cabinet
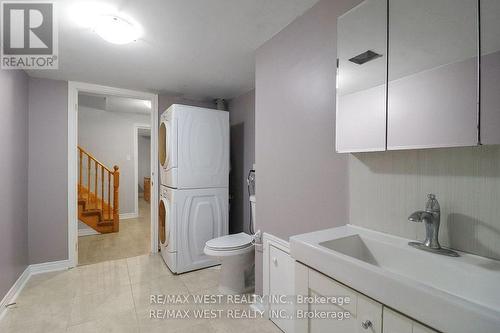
365, 314
397, 323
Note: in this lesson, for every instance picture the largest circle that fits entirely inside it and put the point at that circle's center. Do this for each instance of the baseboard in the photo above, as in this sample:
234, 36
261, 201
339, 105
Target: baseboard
14, 291
52, 266
31, 270
87, 232
126, 216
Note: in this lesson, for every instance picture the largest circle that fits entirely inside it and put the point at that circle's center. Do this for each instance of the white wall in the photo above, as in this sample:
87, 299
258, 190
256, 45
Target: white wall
110, 136
144, 159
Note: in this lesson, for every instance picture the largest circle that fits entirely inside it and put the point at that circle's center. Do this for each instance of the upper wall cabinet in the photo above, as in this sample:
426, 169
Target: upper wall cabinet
411, 80
490, 72
432, 74
361, 77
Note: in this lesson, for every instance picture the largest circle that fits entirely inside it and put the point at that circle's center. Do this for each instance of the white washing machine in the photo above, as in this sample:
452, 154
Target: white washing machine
194, 147
187, 220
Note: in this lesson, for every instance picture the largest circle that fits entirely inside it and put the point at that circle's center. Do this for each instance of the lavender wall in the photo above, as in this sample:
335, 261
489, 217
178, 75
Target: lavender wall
13, 173
48, 170
302, 183
242, 120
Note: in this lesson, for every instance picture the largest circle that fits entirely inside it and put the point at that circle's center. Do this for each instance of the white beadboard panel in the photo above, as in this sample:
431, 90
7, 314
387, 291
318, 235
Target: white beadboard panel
386, 187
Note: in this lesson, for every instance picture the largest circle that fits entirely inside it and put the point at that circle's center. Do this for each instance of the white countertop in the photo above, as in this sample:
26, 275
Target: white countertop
459, 295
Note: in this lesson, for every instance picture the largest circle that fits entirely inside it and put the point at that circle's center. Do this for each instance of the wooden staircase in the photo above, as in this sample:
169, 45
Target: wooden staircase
98, 199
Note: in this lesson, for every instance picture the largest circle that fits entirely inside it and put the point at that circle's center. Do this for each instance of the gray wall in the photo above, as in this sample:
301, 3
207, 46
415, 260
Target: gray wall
242, 120
14, 177
144, 160
301, 182
109, 136
48, 170
386, 187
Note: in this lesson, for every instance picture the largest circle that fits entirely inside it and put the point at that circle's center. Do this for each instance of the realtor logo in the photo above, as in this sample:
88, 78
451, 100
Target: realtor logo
29, 35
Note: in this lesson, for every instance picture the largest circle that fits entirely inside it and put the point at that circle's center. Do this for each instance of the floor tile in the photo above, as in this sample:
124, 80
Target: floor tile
121, 322
101, 304
201, 279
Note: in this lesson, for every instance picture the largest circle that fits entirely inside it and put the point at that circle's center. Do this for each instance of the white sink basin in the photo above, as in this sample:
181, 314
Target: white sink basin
449, 294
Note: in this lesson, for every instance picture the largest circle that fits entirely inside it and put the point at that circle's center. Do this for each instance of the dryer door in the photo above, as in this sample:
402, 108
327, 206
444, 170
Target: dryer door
167, 145
163, 224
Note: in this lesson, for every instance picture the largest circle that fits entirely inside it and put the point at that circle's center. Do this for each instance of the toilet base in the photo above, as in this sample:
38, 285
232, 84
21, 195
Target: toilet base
237, 274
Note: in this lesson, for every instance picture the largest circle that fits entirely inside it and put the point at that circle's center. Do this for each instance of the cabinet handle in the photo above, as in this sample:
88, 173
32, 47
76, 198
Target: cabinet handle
275, 261
366, 324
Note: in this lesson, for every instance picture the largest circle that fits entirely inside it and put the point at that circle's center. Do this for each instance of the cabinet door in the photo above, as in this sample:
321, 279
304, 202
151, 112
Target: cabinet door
365, 315
281, 283
397, 323
432, 74
490, 71
361, 78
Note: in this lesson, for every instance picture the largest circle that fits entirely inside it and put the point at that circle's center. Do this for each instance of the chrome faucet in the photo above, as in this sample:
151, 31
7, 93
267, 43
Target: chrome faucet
431, 216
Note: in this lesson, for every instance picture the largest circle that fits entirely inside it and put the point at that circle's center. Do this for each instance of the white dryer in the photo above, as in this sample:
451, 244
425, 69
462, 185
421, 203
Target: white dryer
187, 220
194, 147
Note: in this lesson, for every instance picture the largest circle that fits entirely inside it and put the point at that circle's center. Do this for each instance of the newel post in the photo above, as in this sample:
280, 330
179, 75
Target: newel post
116, 202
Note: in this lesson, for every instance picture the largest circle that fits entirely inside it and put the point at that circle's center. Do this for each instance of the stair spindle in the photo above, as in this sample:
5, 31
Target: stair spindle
80, 173
109, 194
116, 204
88, 178
102, 189
95, 184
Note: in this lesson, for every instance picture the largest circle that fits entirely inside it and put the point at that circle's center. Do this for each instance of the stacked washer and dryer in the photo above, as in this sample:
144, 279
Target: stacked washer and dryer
194, 171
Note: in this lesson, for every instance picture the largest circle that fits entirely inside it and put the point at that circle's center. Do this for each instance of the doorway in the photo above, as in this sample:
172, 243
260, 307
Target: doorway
111, 165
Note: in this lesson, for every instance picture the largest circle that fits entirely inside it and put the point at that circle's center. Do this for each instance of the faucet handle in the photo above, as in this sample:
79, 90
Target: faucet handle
432, 204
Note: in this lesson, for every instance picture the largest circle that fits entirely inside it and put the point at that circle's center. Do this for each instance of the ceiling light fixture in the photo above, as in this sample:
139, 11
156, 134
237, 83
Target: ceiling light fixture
107, 21
116, 30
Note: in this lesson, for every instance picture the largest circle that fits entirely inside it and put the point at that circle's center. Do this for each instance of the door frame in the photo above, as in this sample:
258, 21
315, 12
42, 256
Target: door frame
73, 89
137, 127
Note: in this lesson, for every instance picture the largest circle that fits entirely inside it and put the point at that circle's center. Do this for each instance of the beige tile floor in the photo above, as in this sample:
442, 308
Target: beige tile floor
114, 296
132, 240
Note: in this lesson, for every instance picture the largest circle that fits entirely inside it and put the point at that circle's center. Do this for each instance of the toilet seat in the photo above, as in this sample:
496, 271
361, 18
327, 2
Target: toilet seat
230, 242
230, 245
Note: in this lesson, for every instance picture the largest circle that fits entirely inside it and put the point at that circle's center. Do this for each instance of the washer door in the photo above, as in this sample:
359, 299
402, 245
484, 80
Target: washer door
163, 145
163, 223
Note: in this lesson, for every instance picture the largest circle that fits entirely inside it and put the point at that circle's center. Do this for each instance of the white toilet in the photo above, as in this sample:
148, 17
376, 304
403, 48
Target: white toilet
236, 253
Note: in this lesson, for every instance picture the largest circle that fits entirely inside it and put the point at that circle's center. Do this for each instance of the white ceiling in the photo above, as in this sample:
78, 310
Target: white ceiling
193, 48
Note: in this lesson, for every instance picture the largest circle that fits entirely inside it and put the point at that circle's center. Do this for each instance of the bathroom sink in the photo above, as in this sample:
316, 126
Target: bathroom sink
451, 294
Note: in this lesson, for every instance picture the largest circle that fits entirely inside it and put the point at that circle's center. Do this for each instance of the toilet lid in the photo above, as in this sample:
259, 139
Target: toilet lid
230, 242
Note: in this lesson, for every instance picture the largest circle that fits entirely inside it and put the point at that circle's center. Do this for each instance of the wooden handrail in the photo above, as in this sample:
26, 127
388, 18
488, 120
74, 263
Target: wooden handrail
109, 210
94, 159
